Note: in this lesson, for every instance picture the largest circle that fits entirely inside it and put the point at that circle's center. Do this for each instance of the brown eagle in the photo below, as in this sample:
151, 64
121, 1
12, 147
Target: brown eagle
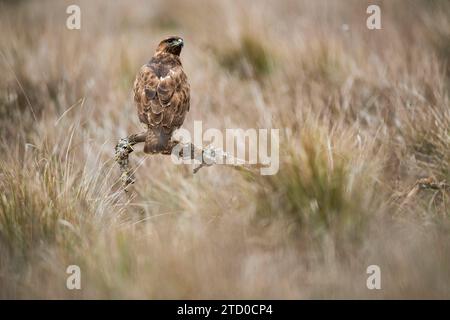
161, 93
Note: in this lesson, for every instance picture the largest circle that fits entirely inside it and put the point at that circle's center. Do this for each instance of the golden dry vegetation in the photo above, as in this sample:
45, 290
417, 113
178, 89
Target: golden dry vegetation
362, 116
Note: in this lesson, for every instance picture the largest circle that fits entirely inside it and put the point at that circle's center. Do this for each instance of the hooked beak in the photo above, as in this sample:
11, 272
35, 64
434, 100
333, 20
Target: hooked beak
179, 42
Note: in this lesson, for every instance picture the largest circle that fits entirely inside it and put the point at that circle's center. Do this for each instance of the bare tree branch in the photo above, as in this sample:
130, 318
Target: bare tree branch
205, 157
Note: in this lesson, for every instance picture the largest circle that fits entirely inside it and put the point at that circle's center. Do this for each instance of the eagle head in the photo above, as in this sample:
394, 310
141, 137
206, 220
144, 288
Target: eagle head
171, 45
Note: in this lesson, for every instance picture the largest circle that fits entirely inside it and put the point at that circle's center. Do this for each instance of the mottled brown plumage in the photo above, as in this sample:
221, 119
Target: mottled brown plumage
161, 94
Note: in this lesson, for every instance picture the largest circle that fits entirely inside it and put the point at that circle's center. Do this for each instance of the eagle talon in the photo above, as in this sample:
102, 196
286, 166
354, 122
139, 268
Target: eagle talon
124, 147
209, 157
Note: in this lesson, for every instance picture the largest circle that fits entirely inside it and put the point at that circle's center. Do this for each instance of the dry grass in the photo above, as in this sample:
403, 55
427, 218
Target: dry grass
363, 115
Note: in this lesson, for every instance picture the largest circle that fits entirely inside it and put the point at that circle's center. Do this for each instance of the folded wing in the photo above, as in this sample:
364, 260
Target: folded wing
162, 102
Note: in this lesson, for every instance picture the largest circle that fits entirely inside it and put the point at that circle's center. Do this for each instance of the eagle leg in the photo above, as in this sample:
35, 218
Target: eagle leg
137, 138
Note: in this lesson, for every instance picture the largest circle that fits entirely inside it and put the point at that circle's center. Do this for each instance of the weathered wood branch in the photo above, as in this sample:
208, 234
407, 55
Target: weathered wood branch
205, 157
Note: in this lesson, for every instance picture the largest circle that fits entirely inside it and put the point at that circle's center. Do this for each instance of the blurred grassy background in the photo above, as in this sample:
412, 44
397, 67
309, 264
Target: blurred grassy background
362, 115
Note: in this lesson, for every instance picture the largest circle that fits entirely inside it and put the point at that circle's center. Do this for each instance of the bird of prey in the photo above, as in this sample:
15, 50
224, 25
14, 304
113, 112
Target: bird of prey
161, 93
